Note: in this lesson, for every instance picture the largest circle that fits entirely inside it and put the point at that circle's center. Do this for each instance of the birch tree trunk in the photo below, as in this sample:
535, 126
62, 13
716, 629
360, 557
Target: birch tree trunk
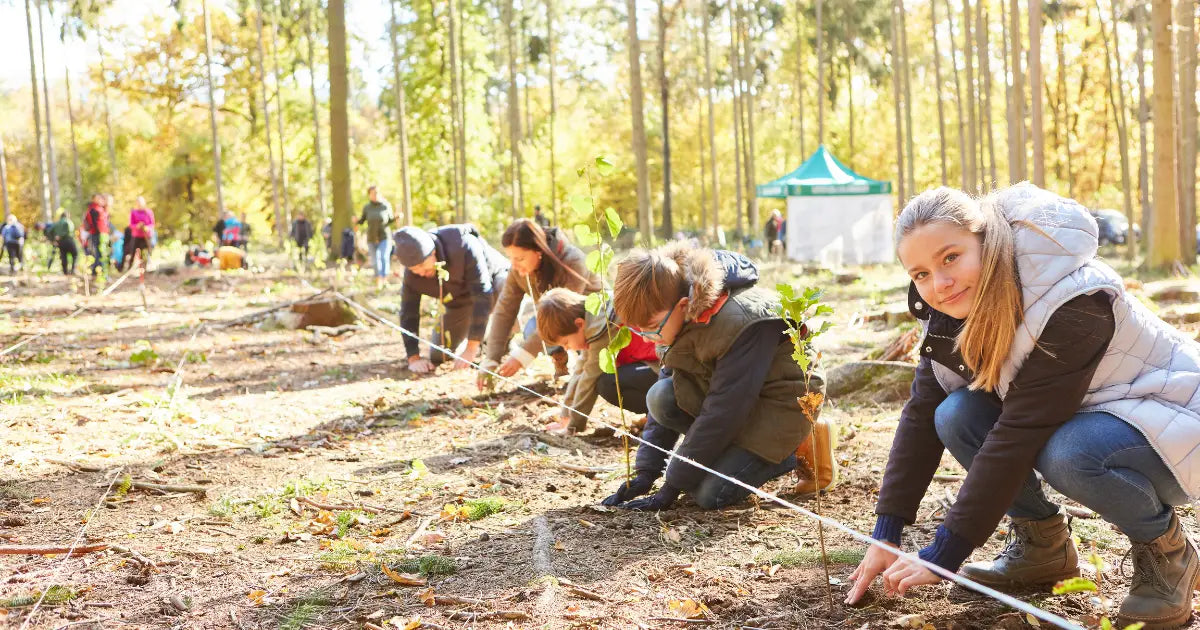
1185, 46
212, 107
554, 110
712, 129
937, 80
958, 99
316, 118
77, 179
514, 113
283, 170
4, 180
113, 177
898, 97
664, 92
820, 76
1035, 92
1164, 241
1139, 21
985, 70
799, 74
1017, 169
970, 163
738, 139
748, 75
454, 104
908, 103
51, 160
645, 220
401, 129
281, 230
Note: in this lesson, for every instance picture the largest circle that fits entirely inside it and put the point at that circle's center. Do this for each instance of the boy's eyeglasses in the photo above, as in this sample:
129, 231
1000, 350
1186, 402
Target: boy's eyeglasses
655, 335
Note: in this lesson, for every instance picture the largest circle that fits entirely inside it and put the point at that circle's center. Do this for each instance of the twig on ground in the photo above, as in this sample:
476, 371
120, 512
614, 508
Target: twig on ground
580, 591
335, 507
511, 615
588, 471
45, 550
1080, 512
701, 622
949, 478
75, 466
454, 600
146, 485
417, 534
137, 557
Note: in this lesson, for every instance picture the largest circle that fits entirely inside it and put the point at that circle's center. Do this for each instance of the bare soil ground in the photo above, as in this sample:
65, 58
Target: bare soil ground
322, 462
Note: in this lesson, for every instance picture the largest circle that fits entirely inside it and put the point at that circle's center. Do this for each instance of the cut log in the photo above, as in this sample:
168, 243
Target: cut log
46, 550
880, 381
1173, 291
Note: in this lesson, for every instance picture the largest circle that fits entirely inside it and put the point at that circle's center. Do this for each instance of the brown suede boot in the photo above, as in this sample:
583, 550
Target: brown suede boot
823, 475
1035, 552
1165, 572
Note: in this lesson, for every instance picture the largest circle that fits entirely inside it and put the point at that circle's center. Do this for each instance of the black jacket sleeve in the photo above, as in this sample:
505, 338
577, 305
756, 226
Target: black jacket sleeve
410, 317
479, 283
916, 448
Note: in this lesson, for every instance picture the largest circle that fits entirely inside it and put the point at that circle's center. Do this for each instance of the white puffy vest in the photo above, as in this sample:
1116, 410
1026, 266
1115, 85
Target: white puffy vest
1150, 374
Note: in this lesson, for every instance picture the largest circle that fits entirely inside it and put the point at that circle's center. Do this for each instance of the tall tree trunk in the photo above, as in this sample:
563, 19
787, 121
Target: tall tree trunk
645, 220
970, 163
1185, 45
4, 179
212, 107
553, 109
454, 103
937, 81
749, 71
1017, 170
1139, 23
113, 177
51, 161
738, 139
77, 179
462, 111
1116, 101
799, 73
898, 97
1164, 239
514, 112
401, 129
985, 69
958, 99
908, 103
281, 230
712, 125
664, 91
283, 170
339, 124
820, 75
1062, 111
850, 103
316, 116
1036, 128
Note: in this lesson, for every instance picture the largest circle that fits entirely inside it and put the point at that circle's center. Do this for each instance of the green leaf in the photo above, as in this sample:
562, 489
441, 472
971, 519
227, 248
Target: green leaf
581, 171
599, 259
417, 470
585, 236
594, 303
608, 361
620, 340
443, 274
604, 166
1135, 626
1105, 624
614, 221
581, 204
1074, 585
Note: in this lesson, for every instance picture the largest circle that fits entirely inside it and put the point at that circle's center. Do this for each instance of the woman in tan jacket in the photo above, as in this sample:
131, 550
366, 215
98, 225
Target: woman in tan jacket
541, 260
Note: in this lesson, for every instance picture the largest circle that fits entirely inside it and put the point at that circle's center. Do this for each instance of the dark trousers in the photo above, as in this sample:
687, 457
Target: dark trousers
93, 250
142, 245
15, 256
67, 254
714, 492
636, 380
456, 321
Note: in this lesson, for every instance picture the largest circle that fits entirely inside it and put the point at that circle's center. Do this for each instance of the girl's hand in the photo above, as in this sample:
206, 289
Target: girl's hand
509, 367
906, 574
876, 561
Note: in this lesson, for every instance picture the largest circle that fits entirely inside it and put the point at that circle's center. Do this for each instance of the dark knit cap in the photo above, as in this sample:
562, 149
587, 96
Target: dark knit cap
413, 245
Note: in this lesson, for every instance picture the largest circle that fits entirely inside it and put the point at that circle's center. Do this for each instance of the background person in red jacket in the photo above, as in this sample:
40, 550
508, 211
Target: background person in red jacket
96, 226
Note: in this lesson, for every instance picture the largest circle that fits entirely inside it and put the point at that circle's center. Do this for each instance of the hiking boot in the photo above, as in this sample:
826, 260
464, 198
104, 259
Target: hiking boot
1035, 552
820, 475
560, 363
1165, 572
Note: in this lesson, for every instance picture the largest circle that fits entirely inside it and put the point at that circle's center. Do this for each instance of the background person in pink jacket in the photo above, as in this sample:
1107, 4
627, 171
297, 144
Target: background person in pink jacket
141, 225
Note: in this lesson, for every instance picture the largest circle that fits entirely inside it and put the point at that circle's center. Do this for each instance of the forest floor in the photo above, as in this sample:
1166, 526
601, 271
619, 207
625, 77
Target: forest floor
317, 463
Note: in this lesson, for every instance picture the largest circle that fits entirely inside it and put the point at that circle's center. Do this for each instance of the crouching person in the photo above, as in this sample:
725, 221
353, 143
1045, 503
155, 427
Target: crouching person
563, 320
473, 275
729, 382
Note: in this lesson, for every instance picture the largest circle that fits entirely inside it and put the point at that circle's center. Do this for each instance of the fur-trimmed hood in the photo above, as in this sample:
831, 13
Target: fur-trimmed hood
710, 273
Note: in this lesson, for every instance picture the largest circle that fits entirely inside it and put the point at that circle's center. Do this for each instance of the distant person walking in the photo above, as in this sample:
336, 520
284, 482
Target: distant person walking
377, 214
141, 227
13, 235
774, 233
62, 234
302, 233
540, 218
96, 225
229, 230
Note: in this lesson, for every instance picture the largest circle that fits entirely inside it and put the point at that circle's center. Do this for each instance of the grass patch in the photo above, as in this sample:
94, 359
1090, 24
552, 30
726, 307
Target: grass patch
304, 610
343, 555
15, 386
476, 509
428, 566
804, 558
10, 489
270, 504
1096, 531
54, 595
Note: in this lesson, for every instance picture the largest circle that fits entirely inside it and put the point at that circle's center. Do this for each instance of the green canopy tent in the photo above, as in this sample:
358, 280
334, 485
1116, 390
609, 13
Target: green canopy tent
834, 215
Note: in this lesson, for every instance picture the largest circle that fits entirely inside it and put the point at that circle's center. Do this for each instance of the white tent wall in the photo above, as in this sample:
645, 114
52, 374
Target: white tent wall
840, 230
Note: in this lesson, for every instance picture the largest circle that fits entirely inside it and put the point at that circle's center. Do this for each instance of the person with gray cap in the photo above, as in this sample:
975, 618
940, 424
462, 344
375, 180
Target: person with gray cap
472, 275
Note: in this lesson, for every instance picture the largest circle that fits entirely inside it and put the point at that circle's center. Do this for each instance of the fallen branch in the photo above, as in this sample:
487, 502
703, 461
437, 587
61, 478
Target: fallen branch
417, 534
580, 591
46, 550
1079, 512
949, 478
584, 470
338, 507
702, 622
454, 600
77, 467
263, 313
511, 615
146, 485
137, 557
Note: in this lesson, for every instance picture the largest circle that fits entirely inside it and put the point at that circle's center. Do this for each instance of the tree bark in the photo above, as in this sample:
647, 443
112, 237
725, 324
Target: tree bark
114, 178
908, 103
1017, 169
316, 118
937, 82
748, 75
401, 130
664, 92
799, 75
970, 163
1164, 241
4, 180
554, 110
455, 97
514, 112
1061, 106
339, 124
958, 98
51, 160
283, 170
78, 180
1035, 92
1185, 46
1139, 21
820, 76
281, 230
212, 107
985, 70
645, 220
1116, 100
738, 139
898, 97
712, 128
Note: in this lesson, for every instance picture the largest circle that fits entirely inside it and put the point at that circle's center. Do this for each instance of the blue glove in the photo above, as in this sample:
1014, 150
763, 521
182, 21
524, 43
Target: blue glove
641, 484
662, 500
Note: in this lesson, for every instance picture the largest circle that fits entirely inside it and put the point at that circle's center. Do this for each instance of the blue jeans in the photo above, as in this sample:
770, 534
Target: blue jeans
381, 257
714, 492
1095, 458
